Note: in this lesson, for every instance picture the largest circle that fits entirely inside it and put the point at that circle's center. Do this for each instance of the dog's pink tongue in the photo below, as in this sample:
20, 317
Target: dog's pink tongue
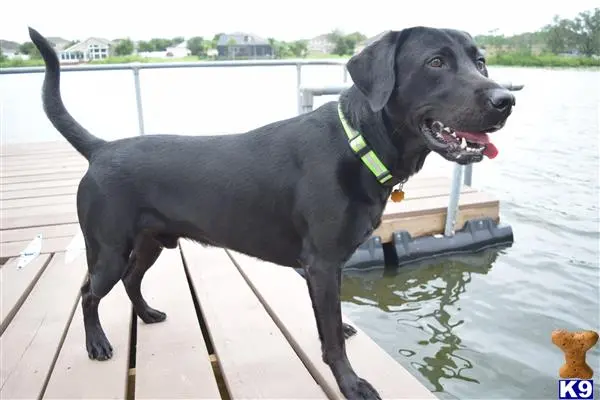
490, 150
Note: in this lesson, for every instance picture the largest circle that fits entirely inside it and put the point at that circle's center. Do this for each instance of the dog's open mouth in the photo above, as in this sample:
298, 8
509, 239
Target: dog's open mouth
458, 145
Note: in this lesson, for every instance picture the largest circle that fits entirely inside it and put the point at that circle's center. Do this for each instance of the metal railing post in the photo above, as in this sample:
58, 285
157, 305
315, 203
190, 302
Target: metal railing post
453, 202
298, 85
468, 175
307, 97
138, 98
345, 73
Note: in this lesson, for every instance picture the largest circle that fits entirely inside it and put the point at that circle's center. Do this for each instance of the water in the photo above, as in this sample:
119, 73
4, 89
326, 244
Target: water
470, 327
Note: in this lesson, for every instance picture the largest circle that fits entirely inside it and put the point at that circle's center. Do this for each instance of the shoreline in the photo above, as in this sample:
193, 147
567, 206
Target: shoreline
502, 60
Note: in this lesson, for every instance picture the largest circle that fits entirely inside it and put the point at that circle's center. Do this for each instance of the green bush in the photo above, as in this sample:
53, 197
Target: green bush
542, 60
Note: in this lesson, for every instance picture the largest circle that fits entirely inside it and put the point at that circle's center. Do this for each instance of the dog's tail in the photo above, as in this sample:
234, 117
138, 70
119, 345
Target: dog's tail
82, 140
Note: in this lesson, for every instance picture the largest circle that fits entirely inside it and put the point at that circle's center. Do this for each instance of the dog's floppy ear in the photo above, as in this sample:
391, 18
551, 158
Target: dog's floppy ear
372, 70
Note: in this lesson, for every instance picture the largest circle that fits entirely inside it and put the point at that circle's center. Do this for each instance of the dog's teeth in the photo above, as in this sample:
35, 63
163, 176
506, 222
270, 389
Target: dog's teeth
463, 143
437, 126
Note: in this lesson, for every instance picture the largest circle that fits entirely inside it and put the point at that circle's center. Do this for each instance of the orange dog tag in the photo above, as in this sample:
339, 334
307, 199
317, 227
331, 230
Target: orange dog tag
397, 195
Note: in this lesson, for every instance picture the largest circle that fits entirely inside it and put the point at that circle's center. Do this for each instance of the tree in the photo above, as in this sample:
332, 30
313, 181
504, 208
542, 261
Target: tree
159, 44
344, 44
559, 35
299, 48
177, 40
144, 46
587, 32
29, 49
124, 47
280, 49
197, 45
230, 43
215, 40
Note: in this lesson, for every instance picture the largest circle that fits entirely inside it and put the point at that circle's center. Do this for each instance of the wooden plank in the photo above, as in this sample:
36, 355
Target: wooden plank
432, 223
43, 170
32, 169
426, 181
37, 192
5, 188
75, 376
31, 341
35, 211
172, 360
32, 155
436, 204
27, 234
27, 157
35, 147
39, 220
39, 201
432, 191
256, 359
49, 245
16, 285
284, 294
14, 163
49, 174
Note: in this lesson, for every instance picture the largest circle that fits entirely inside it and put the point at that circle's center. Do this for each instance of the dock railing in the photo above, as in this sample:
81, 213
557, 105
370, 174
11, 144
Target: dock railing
304, 96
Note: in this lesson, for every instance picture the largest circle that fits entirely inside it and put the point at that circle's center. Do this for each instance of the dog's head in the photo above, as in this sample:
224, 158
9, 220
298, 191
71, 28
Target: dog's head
435, 83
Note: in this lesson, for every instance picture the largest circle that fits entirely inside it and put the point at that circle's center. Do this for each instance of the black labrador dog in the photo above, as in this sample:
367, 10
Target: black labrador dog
305, 191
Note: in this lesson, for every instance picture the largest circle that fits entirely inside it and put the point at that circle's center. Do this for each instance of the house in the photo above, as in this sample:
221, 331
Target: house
320, 44
178, 51
58, 43
243, 45
87, 50
212, 53
8, 48
361, 45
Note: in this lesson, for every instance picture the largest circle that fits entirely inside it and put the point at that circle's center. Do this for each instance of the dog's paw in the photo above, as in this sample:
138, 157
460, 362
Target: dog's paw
152, 316
360, 389
349, 330
99, 348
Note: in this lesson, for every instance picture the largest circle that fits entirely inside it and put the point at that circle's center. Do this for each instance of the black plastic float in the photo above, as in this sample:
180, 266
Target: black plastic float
475, 235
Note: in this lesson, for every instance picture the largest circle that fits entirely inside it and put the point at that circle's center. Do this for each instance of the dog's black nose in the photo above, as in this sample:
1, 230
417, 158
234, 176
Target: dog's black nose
501, 99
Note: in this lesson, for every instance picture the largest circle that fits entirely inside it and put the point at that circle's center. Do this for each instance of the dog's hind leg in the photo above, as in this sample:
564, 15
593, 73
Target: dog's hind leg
106, 265
145, 253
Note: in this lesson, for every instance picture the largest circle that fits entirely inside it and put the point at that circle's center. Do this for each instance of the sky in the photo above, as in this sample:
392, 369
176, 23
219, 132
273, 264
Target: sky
142, 20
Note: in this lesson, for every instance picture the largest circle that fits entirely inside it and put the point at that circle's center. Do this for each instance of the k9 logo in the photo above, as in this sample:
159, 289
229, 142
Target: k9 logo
572, 389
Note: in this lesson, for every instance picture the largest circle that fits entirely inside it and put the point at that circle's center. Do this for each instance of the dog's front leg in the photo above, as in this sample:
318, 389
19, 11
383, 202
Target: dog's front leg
324, 284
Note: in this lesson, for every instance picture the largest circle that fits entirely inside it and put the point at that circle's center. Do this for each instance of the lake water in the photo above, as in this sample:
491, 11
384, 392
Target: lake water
470, 328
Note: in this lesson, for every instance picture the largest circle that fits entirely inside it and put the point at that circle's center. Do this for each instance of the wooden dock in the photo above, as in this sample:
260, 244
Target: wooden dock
236, 327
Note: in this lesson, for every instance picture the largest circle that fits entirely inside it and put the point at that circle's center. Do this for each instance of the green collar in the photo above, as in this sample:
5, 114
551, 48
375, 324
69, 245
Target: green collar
359, 146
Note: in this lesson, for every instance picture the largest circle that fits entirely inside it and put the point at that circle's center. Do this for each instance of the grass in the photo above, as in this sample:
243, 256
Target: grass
506, 59
111, 60
543, 60
131, 59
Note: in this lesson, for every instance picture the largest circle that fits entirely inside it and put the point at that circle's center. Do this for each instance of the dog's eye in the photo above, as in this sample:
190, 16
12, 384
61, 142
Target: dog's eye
480, 64
436, 63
